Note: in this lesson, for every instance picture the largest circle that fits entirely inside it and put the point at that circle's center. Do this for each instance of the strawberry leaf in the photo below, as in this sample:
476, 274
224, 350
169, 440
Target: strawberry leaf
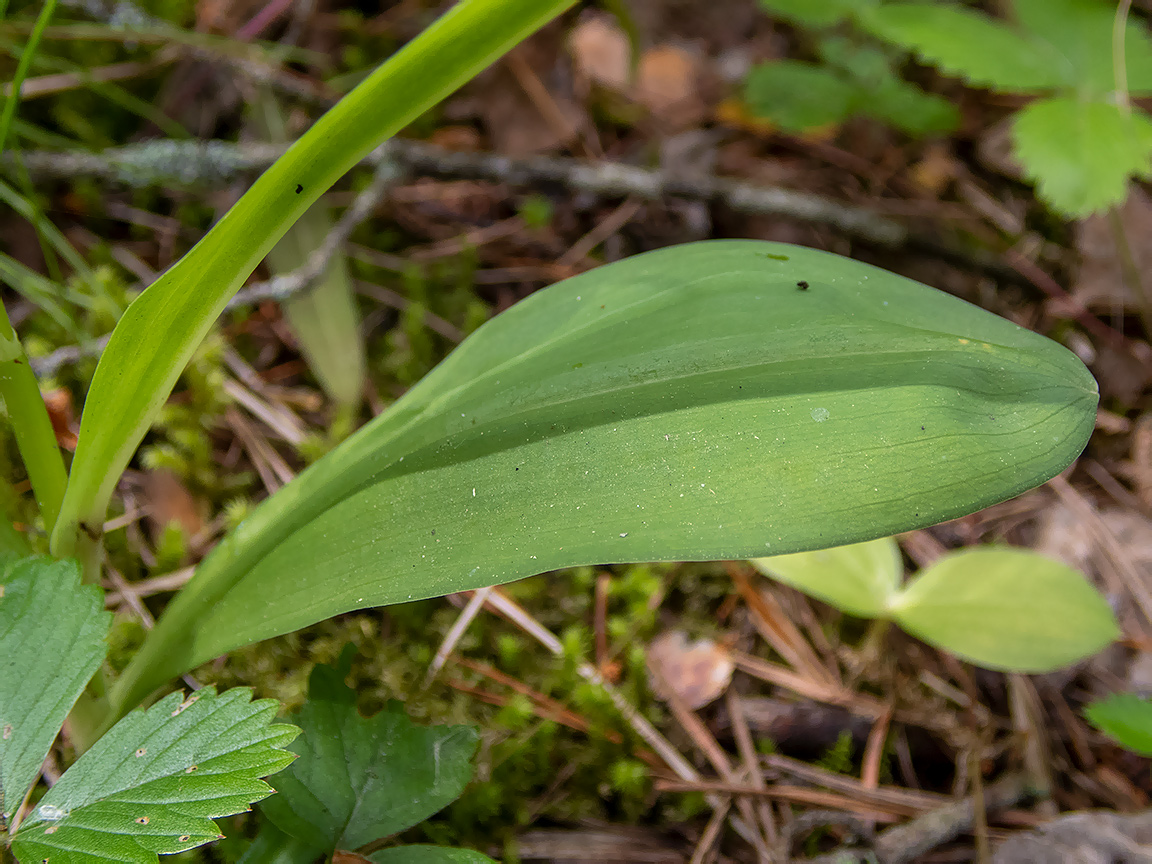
154, 783
52, 632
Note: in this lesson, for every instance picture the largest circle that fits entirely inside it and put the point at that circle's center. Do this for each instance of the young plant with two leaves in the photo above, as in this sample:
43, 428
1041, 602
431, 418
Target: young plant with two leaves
719, 400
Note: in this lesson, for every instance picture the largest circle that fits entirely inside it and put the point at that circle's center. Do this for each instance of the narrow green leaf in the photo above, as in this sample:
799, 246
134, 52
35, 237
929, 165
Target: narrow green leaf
1006, 609
160, 330
52, 633
797, 96
428, 855
692, 403
360, 779
155, 782
969, 44
1125, 717
1082, 153
860, 579
324, 319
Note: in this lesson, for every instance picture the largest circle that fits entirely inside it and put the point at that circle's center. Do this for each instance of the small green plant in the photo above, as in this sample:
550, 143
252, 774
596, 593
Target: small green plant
855, 76
359, 780
1126, 718
1080, 140
999, 607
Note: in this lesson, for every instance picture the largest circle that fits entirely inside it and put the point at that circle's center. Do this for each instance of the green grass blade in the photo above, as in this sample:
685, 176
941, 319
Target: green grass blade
160, 330
692, 403
8, 114
29, 417
52, 633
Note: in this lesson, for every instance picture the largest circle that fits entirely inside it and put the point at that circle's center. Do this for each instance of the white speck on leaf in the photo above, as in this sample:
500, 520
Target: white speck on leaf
819, 414
50, 813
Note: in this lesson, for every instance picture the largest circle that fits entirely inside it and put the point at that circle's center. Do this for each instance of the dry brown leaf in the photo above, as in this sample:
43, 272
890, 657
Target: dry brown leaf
168, 500
60, 414
601, 53
668, 84
698, 671
1100, 281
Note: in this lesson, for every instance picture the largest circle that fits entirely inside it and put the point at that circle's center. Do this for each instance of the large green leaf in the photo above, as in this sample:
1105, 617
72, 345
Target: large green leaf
155, 782
362, 779
52, 633
697, 402
160, 330
1006, 609
428, 855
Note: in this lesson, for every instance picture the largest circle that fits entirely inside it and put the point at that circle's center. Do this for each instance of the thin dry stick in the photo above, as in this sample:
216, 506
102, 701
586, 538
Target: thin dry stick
458, 628
129, 596
274, 471
1132, 580
747, 750
879, 810
147, 587
608, 226
711, 833
278, 418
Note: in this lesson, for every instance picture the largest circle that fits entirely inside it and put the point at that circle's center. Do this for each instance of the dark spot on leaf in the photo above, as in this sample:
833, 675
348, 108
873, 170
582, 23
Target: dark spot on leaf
18, 362
299, 188
141, 752
802, 285
774, 257
190, 769
184, 838
143, 820
7, 731
921, 428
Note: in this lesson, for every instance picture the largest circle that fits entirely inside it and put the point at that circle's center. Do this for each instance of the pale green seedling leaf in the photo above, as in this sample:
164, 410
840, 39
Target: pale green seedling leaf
158, 333
1082, 154
156, 781
814, 13
52, 633
860, 579
971, 45
428, 855
797, 96
692, 403
1126, 718
1005, 608
360, 779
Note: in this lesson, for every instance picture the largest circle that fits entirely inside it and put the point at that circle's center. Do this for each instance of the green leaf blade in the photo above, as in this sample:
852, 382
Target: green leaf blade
1082, 153
688, 404
971, 45
360, 779
154, 783
1126, 718
52, 633
1006, 608
860, 579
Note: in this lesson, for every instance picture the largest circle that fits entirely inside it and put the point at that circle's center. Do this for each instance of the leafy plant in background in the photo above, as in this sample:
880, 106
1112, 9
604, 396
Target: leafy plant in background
855, 76
999, 607
709, 401
1080, 140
